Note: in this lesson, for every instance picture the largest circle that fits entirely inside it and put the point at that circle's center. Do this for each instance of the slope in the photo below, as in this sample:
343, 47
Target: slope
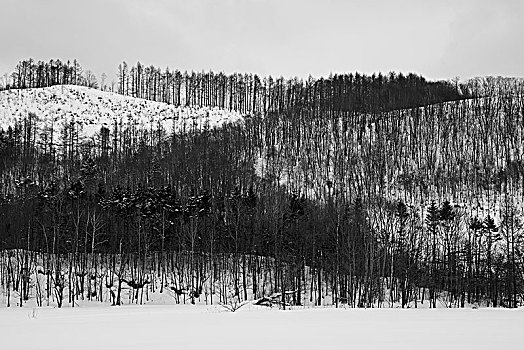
58, 107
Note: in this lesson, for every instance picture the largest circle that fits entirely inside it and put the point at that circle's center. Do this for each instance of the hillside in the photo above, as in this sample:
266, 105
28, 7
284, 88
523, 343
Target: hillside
57, 107
317, 198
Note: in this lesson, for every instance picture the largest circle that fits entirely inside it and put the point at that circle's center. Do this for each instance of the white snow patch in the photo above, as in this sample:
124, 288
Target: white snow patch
90, 109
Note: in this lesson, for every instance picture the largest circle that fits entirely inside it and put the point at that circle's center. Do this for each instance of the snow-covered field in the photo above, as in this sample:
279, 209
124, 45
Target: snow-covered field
206, 327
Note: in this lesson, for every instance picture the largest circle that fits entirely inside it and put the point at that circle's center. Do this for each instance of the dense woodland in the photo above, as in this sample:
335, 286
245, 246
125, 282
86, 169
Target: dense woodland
370, 190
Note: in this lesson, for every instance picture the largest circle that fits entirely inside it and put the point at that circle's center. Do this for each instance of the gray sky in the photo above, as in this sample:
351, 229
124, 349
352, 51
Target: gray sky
439, 39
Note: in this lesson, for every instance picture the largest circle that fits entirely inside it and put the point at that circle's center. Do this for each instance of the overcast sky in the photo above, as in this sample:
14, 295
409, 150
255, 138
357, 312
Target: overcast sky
440, 39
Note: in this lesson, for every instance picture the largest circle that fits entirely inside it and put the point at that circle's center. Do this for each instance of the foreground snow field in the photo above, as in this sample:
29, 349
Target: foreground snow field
203, 327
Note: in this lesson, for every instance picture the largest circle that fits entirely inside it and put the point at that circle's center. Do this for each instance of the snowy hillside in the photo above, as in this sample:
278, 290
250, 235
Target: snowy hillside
90, 110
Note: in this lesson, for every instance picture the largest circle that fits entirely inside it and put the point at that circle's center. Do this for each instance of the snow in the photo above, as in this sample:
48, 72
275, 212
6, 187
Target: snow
212, 327
90, 109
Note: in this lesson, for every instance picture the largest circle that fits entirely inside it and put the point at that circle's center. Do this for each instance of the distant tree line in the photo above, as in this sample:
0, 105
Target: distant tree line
37, 74
249, 93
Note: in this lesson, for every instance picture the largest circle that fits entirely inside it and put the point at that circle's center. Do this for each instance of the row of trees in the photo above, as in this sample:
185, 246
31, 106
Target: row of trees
248, 93
36, 74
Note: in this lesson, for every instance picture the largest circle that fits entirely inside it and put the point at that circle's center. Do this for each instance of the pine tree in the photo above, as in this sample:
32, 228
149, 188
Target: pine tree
490, 232
433, 222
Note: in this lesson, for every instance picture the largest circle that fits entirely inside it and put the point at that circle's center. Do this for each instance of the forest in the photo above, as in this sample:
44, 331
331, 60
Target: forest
366, 191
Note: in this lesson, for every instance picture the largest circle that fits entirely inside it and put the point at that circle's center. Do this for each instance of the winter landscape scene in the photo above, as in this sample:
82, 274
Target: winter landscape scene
233, 174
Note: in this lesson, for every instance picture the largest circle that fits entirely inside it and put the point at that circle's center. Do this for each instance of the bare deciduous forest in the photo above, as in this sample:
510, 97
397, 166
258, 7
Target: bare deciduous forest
370, 191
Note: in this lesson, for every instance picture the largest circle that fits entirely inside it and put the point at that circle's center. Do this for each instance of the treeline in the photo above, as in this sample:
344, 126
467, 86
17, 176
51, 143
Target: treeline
37, 74
249, 93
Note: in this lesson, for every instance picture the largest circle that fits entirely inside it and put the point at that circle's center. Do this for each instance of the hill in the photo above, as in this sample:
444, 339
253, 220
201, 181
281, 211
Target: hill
58, 107
331, 200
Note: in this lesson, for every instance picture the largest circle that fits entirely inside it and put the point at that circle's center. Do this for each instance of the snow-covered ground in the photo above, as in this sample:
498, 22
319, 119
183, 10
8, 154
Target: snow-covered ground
91, 109
206, 327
